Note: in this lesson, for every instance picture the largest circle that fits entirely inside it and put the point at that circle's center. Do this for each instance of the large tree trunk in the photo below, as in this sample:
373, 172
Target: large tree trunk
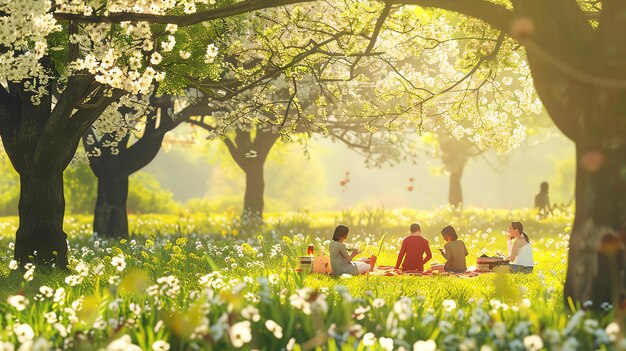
253, 202
113, 170
597, 264
455, 195
110, 218
40, 238
592, 114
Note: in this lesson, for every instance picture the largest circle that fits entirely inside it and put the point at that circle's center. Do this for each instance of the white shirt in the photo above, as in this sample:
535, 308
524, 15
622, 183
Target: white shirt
525, 256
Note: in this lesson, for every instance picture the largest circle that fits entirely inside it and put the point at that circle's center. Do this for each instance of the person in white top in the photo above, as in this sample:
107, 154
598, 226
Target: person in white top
520, 253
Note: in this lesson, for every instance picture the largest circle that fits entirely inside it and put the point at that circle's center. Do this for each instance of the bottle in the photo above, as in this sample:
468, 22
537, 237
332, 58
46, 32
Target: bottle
310, 250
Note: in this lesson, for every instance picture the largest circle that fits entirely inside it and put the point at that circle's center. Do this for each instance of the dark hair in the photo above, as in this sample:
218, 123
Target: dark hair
520, 228
449, 231
415, 227
340, 232
543, 187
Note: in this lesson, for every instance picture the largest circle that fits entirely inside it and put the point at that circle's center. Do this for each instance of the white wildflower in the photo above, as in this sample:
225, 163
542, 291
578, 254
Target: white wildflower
369, 339
449, 305
124, 343
119, 262
19, 302
533, 343
612, 331
24, 332
240, 334
273, 327
427, 345
160, 345
386, 343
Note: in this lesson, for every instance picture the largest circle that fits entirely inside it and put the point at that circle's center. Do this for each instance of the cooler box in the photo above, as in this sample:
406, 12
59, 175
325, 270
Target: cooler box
488, 264
306, 264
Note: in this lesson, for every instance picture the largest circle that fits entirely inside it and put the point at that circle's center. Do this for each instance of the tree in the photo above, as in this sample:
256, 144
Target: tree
277, 83
575, 66
340, 81
455, 154
64, 66
113, 161
331, 55
250, 149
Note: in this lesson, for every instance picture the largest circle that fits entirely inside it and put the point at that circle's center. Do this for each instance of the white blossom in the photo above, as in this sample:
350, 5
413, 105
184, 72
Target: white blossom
273, 327
240, 334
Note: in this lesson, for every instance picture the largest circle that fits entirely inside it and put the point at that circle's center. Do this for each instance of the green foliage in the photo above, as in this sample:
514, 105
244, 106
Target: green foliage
194, 40
145, 195
215, 204
81, 189
9, 187
292, 181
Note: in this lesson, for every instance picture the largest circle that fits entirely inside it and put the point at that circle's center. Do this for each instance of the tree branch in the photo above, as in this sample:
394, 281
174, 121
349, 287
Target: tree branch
180, 20
496, 15
379, 25
201, 124
235, 153
142, 152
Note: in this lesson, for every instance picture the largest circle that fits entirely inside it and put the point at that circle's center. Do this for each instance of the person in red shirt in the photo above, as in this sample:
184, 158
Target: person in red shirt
415, 251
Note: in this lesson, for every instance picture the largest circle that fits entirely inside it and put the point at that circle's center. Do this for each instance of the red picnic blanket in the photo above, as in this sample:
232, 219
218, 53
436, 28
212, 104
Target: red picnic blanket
390, 271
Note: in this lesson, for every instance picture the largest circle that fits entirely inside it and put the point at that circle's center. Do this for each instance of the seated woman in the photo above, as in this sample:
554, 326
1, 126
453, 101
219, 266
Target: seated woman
415, 251
454, 251
340, 260
521, 253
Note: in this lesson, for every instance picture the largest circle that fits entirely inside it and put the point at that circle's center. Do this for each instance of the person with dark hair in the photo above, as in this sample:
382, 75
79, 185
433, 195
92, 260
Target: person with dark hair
415, 251
454, 251
542, 200
340, 260
521, 254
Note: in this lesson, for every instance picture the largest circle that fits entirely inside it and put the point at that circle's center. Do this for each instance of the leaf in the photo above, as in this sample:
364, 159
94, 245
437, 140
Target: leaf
380, 244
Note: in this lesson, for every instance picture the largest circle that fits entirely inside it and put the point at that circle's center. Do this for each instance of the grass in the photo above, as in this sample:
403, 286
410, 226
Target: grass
198, 282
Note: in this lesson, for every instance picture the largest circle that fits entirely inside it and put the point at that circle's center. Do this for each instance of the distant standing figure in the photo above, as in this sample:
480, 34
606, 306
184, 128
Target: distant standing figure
542, 200
521, 257
340, 260
415, 251
454, 251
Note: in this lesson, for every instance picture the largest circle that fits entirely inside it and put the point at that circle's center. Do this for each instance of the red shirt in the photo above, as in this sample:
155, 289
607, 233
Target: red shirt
414, 247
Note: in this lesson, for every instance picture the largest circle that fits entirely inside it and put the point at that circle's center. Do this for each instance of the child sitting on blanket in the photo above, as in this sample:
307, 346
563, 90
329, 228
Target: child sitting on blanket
454, 251
415, 251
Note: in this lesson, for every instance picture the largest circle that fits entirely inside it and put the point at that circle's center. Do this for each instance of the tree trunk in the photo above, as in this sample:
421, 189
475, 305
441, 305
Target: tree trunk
455, 195
110, 218
253, 202
597, 264
454, 156
40, 238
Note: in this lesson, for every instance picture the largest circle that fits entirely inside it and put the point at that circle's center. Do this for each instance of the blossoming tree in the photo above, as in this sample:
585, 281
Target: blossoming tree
64, 64
576, 70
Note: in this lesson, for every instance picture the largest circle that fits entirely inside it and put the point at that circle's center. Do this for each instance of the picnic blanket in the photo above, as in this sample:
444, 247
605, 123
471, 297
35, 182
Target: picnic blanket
390, 271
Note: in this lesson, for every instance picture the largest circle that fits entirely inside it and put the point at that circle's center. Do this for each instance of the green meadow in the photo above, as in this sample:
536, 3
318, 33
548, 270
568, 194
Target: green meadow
191, 282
